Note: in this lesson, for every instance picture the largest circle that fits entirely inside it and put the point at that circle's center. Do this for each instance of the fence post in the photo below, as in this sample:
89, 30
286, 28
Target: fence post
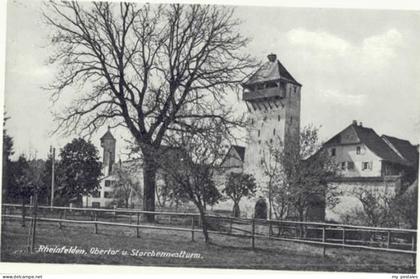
323, 241
413, 247
96, 223
192, 228
344, 236
23, 214
138, 223
60, 217
253, 234
389, 239
115, 214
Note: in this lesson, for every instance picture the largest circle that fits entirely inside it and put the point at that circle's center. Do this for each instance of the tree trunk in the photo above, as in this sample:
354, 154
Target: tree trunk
204, 224
236, 210
149, 182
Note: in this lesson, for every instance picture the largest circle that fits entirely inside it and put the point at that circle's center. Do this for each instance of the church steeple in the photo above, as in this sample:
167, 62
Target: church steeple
108, 144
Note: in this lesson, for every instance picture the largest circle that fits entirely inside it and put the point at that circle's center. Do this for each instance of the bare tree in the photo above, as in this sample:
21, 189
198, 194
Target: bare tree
298, 176
141, 66
200, 154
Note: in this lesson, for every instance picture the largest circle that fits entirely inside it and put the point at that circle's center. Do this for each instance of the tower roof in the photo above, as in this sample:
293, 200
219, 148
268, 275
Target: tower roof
272, 70
108, 135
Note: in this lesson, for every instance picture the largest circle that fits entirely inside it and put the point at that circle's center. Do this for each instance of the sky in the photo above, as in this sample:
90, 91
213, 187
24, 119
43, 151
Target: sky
353, 64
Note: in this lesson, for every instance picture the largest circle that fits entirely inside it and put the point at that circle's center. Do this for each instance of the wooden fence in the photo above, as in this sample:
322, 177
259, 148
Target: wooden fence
392, 240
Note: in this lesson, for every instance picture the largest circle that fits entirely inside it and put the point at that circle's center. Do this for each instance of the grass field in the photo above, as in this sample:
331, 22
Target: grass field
176, 249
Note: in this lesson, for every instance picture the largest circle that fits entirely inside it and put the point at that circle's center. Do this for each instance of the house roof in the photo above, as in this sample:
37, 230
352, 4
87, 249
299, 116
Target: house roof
272, 70
240, 150
403, 148
376, 144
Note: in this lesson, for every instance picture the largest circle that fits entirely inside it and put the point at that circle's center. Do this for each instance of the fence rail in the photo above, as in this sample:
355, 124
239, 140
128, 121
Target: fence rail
394, 240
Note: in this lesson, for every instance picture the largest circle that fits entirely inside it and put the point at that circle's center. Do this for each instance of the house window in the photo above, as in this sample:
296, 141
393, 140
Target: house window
271, 141
252, 121
265, 118
262, 161
107, 195
350, 165
295, 88
358, 150
278, 117
332, 152
367, 165
274, 132
107, 183
259, 141
96, 194
259, 133
343, 165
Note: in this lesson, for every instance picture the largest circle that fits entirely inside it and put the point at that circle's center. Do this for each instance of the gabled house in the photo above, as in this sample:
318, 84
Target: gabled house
234, 159
381, 164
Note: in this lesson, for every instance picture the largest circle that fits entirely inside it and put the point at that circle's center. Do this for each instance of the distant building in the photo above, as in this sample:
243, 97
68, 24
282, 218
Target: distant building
103, 197
381, 164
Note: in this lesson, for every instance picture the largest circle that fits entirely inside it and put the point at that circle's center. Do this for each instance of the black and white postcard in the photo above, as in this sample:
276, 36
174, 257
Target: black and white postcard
205, 135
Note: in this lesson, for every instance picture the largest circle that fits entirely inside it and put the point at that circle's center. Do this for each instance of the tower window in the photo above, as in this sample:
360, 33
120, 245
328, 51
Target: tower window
271, 141
252, 121
265, 118
274, 131
278, 117
259, 133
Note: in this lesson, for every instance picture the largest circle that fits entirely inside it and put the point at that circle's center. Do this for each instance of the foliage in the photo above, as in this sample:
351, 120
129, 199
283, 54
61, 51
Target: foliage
7, 153
125, 186
297, 177
78, 171
377, 209
406, 207
385, 209
239, 185
151, 69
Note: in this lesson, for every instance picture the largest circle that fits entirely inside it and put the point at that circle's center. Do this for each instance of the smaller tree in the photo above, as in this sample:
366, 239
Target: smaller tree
298, 175
239, 185
78, 171
199, 155
125, 185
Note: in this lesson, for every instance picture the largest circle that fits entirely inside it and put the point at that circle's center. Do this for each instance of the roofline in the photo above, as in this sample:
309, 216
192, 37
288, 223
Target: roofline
243, 84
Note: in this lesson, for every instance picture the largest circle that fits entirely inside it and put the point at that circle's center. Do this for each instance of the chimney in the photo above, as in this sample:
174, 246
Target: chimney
354, 122
361, 124
272, 57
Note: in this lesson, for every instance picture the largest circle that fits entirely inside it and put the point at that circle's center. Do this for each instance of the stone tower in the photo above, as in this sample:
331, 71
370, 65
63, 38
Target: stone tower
108, 145
272, 97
